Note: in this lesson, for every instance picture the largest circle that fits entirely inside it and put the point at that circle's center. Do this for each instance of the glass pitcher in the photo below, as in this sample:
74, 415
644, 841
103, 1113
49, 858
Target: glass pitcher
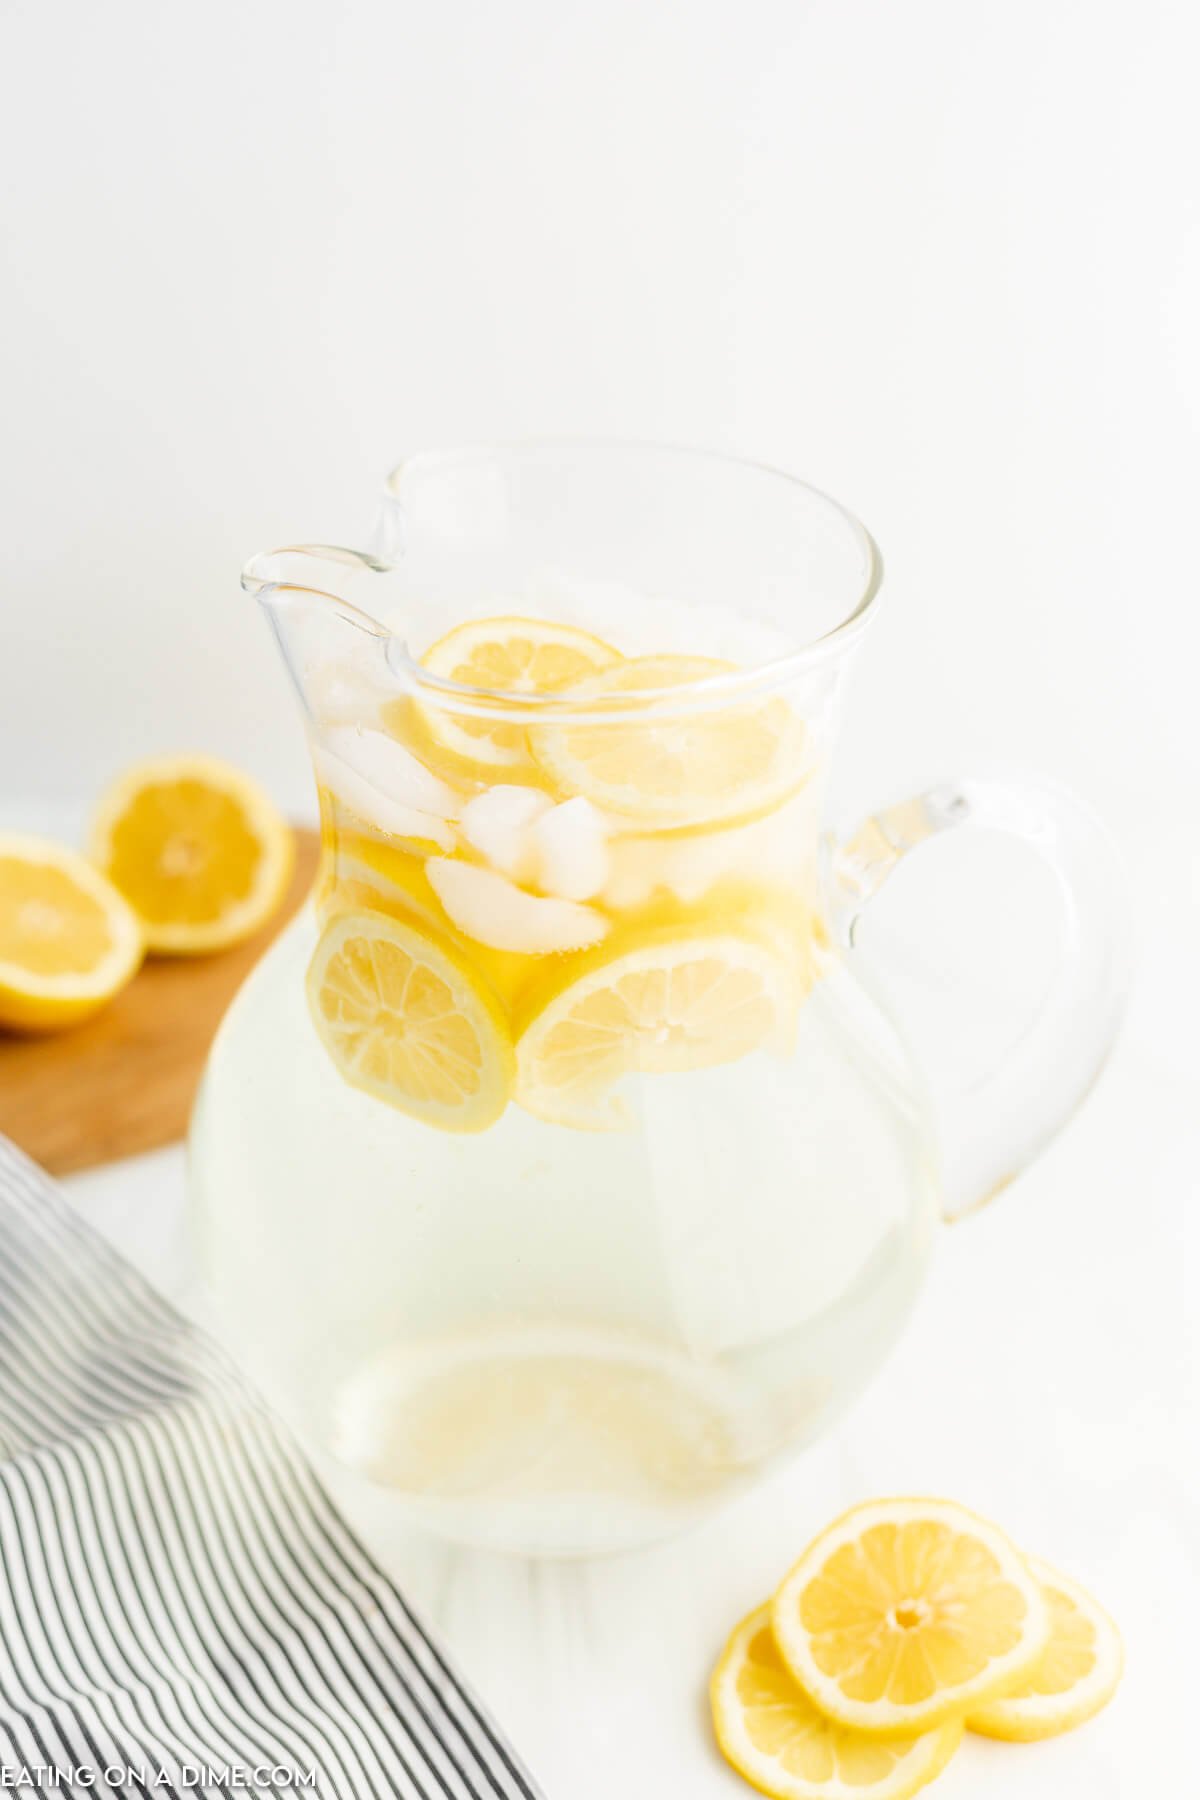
557, 1170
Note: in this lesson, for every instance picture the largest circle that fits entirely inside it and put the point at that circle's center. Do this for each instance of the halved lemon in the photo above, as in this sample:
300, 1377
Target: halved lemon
68, 941
771, 1732
662, 1003
907, 1612
508, 656
405, 1019
197, 848
669, 766
1075, 1677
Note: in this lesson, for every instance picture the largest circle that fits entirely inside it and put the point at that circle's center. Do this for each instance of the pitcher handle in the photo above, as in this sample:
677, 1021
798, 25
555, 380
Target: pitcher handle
1004, 1120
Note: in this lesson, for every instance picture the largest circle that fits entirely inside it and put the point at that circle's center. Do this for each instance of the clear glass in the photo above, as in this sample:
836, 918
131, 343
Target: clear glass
557, 1170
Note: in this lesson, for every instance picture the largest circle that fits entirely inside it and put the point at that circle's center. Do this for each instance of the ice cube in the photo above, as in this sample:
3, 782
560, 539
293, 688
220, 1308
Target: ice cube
343, 693
635, 872
571, 850
497, 824
385, 786
392, 770
495, 911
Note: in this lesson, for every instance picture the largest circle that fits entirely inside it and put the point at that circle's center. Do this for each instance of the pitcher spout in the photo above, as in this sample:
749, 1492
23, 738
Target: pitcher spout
335, 650
326, 574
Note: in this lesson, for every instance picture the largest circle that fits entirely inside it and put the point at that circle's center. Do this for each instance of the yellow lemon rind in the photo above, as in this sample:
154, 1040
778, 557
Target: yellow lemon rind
885, 1717
1030, 1718
927, 1756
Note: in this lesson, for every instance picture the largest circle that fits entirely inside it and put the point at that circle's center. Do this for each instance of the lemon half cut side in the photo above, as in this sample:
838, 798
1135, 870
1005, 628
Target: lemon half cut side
68, 940
198, 850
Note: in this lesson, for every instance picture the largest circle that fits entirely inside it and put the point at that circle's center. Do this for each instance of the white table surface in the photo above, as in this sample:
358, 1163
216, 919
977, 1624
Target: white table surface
1049, 1378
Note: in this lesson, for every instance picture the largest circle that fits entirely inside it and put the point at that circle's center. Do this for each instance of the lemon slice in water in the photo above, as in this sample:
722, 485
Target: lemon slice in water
674, 767
404, 1018
507, 656
664, 1003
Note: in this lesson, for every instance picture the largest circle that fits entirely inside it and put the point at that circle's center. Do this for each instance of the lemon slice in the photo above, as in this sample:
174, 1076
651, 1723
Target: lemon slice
507, 656
197, 849
405, 1019
68, 941
735, 760
666, 1003
771, 1732
907, 1612
1075, 1677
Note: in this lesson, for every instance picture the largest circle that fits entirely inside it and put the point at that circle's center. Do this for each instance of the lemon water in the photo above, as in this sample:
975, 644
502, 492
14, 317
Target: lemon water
555, 1173
553, 1341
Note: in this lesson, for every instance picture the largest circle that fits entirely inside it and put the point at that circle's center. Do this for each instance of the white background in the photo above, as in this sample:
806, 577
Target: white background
939, 256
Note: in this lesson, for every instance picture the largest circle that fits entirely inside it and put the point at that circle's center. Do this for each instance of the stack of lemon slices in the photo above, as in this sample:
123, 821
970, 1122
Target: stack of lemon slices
520, 940
188, 855
903, 1625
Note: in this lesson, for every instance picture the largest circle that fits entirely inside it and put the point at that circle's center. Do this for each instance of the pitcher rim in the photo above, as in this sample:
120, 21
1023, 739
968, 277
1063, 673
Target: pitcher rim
710, 691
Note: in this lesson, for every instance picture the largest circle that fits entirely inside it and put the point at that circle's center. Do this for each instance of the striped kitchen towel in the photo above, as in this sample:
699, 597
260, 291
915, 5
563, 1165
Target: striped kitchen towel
182, 1611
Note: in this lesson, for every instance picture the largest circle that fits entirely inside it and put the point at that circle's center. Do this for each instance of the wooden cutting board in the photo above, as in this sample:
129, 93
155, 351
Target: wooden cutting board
125, 1080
